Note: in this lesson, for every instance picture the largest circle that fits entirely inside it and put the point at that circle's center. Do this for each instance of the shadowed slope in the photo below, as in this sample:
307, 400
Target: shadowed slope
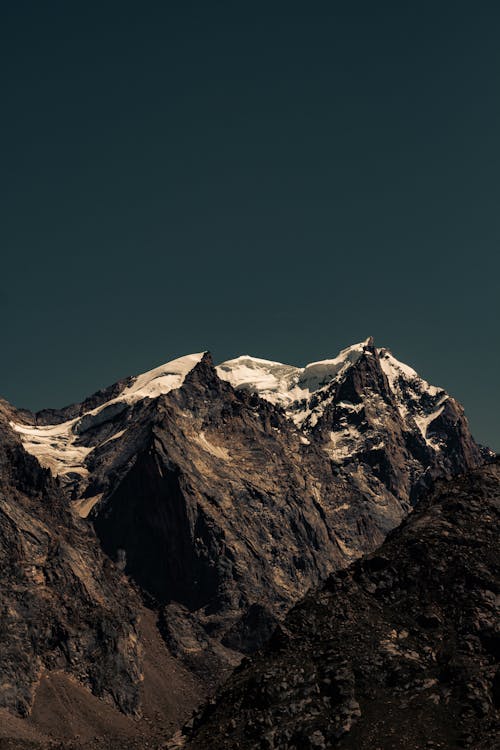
401, 650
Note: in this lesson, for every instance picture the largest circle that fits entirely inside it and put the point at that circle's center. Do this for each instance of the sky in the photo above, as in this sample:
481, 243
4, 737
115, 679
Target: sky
279, 179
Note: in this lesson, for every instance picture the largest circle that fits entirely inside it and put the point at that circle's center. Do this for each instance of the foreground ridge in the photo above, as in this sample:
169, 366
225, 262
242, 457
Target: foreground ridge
218, 504
400, 650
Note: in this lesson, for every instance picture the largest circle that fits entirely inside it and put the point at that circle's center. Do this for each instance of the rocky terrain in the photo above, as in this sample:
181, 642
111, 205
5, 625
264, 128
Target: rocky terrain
63, 605
201, 503
78, 651
399, 651
222, 489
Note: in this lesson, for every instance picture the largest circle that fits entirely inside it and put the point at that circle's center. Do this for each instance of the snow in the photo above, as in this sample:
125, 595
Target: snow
318, 374
304, 393
348, 406
55, 445
344, 442
410, 402
85, 505
116, 436
423, 422
287, 385
161, 380
215, 450
394, 370
273, 381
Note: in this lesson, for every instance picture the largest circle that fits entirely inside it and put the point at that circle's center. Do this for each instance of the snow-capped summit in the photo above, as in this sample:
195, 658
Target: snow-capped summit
358, 405
219, 488
62, 447
304, 391
318, 374
355, 407
161, 379
283, 384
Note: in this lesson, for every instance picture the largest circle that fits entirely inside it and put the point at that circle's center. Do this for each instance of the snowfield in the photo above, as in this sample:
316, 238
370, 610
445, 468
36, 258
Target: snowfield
303, 392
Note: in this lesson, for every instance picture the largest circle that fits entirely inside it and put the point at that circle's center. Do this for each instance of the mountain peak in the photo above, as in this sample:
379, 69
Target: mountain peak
161, 379
58, 445
286, 384
313, 397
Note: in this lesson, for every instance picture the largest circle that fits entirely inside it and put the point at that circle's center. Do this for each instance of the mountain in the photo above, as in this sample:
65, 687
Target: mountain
227, 492
59, 601
400, 650
369, 412
79, 653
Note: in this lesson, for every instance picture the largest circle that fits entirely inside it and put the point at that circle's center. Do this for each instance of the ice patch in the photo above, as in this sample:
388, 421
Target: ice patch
286, 385
423, 423
54, 445
394, 370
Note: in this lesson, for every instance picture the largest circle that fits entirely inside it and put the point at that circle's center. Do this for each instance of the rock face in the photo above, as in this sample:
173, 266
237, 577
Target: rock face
63, 605
400, 650
80, 656
388, 428
227, 493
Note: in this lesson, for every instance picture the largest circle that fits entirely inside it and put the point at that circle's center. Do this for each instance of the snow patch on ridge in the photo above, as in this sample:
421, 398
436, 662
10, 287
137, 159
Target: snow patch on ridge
55, 445
423, 423
273, 381
161, 380
286, 385
411, 391
394, 370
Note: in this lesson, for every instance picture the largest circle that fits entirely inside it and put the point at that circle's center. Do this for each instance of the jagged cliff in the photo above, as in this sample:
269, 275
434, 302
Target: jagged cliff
217, 497
227, 492
80, 656
400, 650
64, 606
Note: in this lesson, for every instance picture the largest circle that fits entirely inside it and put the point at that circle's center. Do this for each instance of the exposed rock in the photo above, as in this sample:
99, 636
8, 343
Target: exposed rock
227, 505
227, 497
63, 604
80, 656
397, 651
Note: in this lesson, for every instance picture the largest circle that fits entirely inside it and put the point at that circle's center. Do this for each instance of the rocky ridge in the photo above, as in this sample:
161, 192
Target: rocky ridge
64, 606
79, 653
228, 492
398, 651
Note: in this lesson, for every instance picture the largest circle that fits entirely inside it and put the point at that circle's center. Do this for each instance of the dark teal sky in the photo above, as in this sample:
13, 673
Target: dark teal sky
280, 179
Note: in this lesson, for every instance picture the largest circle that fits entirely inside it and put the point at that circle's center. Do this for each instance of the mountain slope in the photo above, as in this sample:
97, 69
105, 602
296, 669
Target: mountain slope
226, 493
79, 654
399, 651
365, 406
64, 606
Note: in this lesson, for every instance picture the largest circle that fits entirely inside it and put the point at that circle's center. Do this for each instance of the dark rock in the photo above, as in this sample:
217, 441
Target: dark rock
397, 668
226, 509
63, 605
